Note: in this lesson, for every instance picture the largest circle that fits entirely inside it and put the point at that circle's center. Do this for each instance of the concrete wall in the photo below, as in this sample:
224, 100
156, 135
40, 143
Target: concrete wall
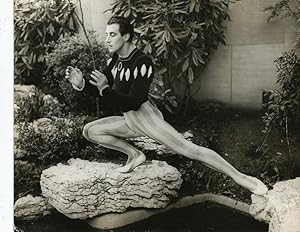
238, 72
95, 17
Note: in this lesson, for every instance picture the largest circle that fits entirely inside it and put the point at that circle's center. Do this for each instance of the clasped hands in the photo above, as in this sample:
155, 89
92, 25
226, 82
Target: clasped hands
75, 77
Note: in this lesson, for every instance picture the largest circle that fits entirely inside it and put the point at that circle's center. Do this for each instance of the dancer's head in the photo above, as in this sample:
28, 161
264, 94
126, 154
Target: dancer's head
118, 32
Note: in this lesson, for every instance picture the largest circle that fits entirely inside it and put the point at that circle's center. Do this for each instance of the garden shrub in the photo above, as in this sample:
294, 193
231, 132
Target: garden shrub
27, 178
74, 51
50, 140
179, 35
36, 23
46, 142
282, 106
34, 104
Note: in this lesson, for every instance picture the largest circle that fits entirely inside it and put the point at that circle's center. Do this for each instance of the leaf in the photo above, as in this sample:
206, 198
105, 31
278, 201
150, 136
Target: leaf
26, 63
192, 6
127, 13
185, 65
191, 76
162, 71
51, 29
41, 58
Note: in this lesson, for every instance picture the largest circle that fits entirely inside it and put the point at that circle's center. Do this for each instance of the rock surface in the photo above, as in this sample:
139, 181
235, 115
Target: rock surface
29, 207
115, 220
280, 207
83, 189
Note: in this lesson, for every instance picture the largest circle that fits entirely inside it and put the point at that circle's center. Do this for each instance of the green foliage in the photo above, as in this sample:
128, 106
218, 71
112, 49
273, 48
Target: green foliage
283, 105
73, 50
37, 23
179, 34
35, 104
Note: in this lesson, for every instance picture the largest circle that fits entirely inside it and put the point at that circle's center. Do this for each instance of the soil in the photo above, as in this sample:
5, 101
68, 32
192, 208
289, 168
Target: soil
237, 136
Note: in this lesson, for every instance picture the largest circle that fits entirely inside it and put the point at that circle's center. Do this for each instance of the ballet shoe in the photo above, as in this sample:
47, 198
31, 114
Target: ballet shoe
133, 164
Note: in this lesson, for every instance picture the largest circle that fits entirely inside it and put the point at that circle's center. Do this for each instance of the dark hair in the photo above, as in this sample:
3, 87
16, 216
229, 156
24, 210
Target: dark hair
124, 26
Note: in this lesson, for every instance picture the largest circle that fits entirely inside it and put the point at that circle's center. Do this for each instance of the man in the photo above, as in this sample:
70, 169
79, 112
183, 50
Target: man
125, 83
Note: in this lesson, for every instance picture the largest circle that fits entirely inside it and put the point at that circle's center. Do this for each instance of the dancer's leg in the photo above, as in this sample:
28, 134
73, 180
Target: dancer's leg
147, 121
108, 132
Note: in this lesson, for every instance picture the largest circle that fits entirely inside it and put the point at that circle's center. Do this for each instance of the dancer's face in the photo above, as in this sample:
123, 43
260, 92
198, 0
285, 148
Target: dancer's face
114, 40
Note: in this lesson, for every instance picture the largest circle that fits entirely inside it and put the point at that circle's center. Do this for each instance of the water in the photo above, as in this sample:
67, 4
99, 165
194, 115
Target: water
197, 218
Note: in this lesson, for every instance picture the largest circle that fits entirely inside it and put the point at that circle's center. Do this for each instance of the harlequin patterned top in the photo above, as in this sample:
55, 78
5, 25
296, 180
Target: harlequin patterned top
129, 80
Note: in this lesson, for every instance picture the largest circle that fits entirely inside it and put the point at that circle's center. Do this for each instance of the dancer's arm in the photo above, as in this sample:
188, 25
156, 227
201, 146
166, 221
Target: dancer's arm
138, 93
79, 83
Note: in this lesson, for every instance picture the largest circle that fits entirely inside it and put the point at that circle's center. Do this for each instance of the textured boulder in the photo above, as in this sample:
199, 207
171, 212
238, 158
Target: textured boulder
280, 207
83, 189
29, 207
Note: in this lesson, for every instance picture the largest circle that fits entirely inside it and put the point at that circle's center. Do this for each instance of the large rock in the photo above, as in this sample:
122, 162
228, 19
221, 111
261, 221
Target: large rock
280, 207
83, 189
30, 207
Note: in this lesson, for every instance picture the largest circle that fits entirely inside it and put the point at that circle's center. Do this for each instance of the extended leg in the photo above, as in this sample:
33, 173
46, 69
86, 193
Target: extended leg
109, 132
148, 122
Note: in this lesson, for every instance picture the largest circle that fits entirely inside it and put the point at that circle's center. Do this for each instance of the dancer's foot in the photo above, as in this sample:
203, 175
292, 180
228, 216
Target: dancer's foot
261, 188
132, 164
257, 186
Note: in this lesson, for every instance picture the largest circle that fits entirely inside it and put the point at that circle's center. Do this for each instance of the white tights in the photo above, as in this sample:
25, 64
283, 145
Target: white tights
148, 121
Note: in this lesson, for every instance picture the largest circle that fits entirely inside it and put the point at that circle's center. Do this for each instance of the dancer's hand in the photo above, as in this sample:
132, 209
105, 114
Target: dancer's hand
99, 80
74, 76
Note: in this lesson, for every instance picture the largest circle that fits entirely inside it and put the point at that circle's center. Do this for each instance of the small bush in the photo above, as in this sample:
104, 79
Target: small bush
282, 106
26, 178
35, 104
73, 50
50, 140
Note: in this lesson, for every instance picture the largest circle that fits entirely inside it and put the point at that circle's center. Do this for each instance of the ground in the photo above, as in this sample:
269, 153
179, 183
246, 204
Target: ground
236, 135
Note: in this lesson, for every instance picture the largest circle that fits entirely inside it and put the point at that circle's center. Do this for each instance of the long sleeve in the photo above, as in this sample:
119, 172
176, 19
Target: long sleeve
140, 76
89, 89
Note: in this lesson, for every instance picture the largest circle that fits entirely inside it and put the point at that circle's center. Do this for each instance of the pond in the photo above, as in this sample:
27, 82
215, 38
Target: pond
205, 217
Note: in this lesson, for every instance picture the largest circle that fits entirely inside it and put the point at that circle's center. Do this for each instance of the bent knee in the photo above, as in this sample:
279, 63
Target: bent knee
90, 132
85, 131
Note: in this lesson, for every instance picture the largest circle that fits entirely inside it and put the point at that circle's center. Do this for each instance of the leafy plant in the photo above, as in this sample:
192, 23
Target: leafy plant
179, 34
46, 142
283, 105
50, 140
286, 9
73, 50
34, 105
26, 178
38, 22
